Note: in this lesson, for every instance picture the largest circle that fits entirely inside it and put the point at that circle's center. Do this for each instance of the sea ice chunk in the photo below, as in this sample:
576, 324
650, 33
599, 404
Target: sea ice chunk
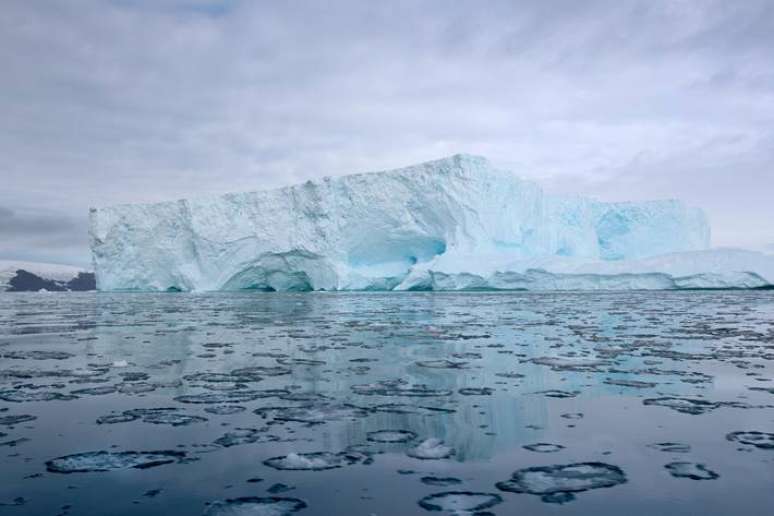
316, 461
255, 506
690, 470
556, 484
391, 436
109, 461
431, 449
460, 502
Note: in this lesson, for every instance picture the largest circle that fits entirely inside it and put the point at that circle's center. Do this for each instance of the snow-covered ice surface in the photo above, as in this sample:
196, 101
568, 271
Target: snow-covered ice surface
337, 403
453, 224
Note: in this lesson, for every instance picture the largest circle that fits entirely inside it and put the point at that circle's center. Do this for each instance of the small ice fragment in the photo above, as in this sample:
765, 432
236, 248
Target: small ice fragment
316, 461
460, 502
691, 470
431, 449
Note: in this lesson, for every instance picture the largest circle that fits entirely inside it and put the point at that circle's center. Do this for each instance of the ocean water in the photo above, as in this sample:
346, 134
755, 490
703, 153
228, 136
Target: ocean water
634, 403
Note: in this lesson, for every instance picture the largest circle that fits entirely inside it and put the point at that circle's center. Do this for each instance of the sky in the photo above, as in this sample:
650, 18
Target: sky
136, 101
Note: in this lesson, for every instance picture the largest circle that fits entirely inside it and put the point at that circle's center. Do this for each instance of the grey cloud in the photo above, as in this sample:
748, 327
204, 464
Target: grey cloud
40, 235
13, 224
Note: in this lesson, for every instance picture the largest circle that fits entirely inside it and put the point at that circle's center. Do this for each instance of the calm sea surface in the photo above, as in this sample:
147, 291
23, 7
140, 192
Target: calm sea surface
635, 403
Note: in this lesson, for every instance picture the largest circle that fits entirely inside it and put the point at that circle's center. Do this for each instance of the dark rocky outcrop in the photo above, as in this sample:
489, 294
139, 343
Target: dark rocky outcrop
25, 281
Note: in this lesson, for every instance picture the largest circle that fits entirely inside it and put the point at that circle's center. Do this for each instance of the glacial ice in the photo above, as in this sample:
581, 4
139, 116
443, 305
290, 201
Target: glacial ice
453, 224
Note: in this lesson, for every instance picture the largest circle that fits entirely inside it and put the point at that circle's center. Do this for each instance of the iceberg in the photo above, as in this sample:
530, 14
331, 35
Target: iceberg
457, 223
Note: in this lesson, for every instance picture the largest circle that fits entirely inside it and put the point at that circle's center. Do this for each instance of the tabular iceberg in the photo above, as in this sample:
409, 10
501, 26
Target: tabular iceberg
452, 224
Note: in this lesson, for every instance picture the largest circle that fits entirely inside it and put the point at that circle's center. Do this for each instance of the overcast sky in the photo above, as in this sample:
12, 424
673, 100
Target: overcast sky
124, 101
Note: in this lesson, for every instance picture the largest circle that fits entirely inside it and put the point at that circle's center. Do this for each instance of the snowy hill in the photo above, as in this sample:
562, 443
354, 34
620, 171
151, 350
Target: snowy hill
453, 223
33, 276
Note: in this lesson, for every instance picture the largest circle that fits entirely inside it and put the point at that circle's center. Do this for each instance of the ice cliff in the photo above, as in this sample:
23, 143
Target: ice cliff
455, 223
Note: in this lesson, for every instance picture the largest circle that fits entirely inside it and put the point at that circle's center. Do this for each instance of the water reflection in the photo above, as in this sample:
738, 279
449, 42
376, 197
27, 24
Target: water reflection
508, 381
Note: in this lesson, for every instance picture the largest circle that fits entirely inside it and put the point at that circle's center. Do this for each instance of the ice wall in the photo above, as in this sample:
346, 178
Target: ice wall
376, 230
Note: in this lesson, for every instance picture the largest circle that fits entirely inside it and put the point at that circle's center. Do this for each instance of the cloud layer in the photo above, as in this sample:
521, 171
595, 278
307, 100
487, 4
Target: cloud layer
128, 101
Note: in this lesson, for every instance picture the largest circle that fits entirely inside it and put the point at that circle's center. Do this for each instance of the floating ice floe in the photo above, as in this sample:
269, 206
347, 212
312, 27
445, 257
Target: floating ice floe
20, 396
431, 449
405, 408
476, 391
690, 405
99, 390
262, 371
16, 419
300, 362
36, 355
110, 461
305, 397
228, 396
319, 413
512, 375
460, 502
221, 378
225, 410
113, 419
14, 442
557, 484
442, 364
398, 388
691, 470
570, 363
279, 487
316, 461
763, 440
136, 387
156, 416
671, 447
391, 436
440, 481
556, 393
134, 376
245, 436
543, 447
770, 390
255, 506
16, 502
637, 384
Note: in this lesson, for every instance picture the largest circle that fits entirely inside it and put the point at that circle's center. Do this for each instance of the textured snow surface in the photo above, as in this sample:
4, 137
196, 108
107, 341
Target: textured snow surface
456, 223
